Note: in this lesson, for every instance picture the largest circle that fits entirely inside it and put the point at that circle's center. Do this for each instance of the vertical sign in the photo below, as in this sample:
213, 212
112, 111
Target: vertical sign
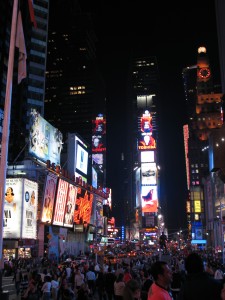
12, 208
70, 206
29, 218
60, 202
49, 196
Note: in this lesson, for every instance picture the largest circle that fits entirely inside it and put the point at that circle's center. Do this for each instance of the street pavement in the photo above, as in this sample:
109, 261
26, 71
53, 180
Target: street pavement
9, 286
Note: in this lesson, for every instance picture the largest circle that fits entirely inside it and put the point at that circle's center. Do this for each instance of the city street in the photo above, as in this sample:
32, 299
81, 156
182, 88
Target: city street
8, 285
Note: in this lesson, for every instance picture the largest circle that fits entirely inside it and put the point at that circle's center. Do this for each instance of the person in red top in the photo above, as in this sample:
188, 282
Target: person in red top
127, 276
162, 275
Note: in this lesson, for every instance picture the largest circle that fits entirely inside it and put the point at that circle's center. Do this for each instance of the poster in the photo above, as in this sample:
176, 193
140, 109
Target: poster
49, 196
30, 202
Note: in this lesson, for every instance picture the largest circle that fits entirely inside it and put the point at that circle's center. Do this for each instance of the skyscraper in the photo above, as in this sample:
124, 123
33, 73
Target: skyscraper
141, 184
75, 92
30, 92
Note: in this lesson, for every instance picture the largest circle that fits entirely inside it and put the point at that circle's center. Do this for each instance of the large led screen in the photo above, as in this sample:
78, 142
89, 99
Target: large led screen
13, 208
149, 198
49, 197
98, 144
70, 205
60, 202
30, 203
83, 208
81, 159
97, 162
148, 173
45, 141
99, 125
147, 156
94, 178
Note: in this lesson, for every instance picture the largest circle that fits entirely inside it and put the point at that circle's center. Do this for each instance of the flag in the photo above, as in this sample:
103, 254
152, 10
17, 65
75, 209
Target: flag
31, 10
20, 43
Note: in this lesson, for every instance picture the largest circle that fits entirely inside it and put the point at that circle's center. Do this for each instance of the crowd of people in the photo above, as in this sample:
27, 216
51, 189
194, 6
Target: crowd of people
194, 276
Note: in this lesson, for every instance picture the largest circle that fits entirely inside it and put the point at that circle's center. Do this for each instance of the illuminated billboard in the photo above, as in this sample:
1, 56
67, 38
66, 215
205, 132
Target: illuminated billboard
94, 178
49, 196
148, 173
81, 158
99, 125
30, 202
77, 156
70, 206
98, 144
149, 198
45, 141
20, 208
146, 140
99, 214
13, 208
147, 156
83, 207
60, 202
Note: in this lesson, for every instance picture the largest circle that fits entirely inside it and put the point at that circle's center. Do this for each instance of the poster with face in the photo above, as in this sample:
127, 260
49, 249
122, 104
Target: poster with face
29, 218
13, 208
49, 196
70, 206
60, 202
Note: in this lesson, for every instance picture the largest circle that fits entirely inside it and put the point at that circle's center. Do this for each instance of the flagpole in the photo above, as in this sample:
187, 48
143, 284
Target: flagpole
5, 131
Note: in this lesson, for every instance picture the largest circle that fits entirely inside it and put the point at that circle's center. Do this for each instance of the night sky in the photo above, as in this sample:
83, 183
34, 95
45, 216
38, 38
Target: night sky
172, 31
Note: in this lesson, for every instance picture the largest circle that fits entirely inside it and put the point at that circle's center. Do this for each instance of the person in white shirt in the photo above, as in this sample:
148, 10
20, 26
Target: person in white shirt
46, 288
68, 272
55, 287
78, 279
119, 285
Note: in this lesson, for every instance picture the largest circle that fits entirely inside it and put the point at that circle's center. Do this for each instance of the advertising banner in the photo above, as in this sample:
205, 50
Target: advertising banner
83, 208
13, 208
45, 141
49, 196
149, 197
60, 202
81, 159
147, 156
70, 206
30, 202
99, 214
148, 173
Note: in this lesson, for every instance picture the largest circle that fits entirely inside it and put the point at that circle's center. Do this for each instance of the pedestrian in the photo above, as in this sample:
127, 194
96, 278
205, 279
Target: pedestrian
55, 287
83, 292
218, 272
78, 279
146, 283
127, 275
100, 285
17, 279
91, 277
23, 286
119, 286
46, 288
109, 283
162, 275
132, 290
198, 284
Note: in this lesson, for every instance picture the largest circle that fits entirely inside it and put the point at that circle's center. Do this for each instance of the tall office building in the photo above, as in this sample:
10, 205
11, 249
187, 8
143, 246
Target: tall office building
75, 92
30, 92
141, 186
204, 119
